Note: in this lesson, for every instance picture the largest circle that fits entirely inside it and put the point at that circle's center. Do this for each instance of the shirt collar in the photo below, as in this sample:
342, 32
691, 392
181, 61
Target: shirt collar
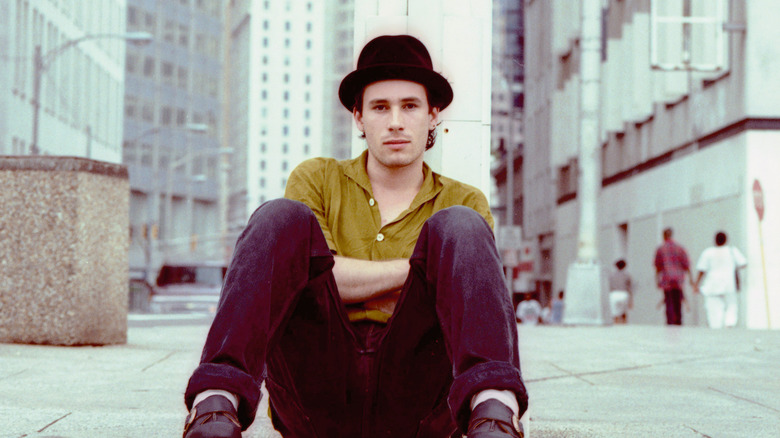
355, 169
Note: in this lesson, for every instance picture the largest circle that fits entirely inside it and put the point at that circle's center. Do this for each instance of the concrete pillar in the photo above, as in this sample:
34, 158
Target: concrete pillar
458, 35
586, 290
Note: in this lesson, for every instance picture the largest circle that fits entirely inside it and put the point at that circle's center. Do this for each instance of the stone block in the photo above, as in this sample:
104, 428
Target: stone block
63, 251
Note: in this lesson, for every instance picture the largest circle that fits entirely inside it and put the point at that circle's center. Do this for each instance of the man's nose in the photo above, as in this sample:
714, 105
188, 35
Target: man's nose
396, 123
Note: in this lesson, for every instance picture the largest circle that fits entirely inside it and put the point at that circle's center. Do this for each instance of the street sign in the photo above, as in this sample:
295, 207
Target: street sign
758, 199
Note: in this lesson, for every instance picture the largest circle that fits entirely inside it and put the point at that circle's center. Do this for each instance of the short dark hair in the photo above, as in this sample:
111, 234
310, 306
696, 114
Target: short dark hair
668, 233
620, 264
431, 134
720, 238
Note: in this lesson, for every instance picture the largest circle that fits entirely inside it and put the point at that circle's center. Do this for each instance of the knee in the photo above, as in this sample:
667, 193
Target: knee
460, 221
280, 213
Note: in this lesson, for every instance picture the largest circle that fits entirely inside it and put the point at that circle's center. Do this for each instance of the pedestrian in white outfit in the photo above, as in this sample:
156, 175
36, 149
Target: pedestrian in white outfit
718, 268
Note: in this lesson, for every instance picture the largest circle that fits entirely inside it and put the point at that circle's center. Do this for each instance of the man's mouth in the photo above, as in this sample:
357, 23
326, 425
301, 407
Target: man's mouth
396, 141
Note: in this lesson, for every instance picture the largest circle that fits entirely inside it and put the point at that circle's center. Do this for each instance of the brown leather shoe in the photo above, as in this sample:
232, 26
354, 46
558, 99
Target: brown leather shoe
214, 417
493, 419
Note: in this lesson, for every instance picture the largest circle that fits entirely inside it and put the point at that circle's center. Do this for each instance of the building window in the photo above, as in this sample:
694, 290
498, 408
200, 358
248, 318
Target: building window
130, 107
181, 117
285, 148
168, 31
183, 78
167, 72
132, 16
262, 164
131, 63
166, 116
147, 112
284, 166
184, 40
149, 67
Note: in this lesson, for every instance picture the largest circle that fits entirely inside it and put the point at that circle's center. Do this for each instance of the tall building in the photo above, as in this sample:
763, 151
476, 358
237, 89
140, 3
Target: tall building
79, 77
281, 92
507, 143
338, 37
689, 124
172, 127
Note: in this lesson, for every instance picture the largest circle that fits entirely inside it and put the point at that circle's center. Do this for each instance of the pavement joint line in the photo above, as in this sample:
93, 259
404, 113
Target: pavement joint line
158, 361
50, 424
700, 433
573, 374
638, 367
589, 373
743, 399
15, 374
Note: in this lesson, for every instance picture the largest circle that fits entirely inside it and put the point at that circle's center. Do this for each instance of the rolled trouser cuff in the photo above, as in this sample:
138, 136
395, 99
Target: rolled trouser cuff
486, 375
227, 378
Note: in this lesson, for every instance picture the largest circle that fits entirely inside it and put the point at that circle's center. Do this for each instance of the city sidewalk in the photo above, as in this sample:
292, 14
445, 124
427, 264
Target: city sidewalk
621, 381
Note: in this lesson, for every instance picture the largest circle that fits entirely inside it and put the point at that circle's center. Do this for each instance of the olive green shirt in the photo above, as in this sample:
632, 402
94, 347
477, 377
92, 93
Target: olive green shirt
339, 193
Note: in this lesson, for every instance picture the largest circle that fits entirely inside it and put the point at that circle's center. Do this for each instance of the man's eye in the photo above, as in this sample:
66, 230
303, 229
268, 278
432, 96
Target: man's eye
410, 106
380, 107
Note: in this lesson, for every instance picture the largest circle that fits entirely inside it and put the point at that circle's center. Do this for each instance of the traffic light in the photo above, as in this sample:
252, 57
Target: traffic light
144, 231
193, 242
155, 231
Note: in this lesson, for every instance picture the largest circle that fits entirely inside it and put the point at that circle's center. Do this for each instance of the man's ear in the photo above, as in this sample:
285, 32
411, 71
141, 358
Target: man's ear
358, 116
434, 118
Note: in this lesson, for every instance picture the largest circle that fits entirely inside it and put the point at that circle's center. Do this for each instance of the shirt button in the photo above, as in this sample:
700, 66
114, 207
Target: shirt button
380, 237
371, 202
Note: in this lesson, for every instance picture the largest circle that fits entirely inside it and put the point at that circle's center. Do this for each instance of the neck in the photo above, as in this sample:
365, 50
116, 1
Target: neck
395, 179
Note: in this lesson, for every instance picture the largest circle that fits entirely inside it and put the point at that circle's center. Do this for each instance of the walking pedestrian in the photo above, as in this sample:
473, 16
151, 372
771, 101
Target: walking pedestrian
719, 267
371, 300
671, 266
621, 297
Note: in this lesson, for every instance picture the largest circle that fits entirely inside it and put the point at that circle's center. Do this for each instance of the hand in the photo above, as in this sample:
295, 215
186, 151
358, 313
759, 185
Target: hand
386, 303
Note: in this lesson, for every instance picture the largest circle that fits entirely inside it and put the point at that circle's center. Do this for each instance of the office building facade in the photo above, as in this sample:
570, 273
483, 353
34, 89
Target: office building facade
79, 78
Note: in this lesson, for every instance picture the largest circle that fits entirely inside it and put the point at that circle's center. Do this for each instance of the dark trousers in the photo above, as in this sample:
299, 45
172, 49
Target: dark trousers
281, 319
673, 300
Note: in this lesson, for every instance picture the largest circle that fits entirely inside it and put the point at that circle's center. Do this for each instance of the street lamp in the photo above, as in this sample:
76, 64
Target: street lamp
41, 63
151, 248
169, 189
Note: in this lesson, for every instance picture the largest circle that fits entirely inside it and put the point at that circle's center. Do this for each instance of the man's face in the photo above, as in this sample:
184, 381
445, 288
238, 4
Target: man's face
396, 119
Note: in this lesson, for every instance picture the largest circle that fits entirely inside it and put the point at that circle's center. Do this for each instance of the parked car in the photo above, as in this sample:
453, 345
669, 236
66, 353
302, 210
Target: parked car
191, 287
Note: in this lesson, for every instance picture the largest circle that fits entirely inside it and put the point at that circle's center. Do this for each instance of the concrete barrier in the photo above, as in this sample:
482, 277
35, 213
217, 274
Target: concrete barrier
63, 251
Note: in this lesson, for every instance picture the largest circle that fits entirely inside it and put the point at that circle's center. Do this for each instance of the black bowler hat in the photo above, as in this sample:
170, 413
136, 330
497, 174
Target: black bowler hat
395, 57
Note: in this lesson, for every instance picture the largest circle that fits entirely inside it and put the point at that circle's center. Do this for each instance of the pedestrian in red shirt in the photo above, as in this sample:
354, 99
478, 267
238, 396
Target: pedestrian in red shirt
671, 265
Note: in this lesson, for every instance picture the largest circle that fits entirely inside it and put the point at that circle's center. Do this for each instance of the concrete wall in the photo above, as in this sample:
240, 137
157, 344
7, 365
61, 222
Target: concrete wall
458, 36
63, 251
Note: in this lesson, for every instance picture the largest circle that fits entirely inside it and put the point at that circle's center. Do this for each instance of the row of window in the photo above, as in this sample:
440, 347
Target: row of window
144, 110
263, 183
172, 74
284, 167
286, 131
172, 32
285, 150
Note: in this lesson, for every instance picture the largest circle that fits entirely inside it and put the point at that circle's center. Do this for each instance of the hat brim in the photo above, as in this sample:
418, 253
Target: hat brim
439, 89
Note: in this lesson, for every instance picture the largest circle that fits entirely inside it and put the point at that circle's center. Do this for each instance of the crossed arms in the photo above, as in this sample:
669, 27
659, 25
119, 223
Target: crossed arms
377, 283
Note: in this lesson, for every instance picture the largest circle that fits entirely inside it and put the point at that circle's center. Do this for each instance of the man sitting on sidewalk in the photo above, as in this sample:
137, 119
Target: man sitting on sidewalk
371, 301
